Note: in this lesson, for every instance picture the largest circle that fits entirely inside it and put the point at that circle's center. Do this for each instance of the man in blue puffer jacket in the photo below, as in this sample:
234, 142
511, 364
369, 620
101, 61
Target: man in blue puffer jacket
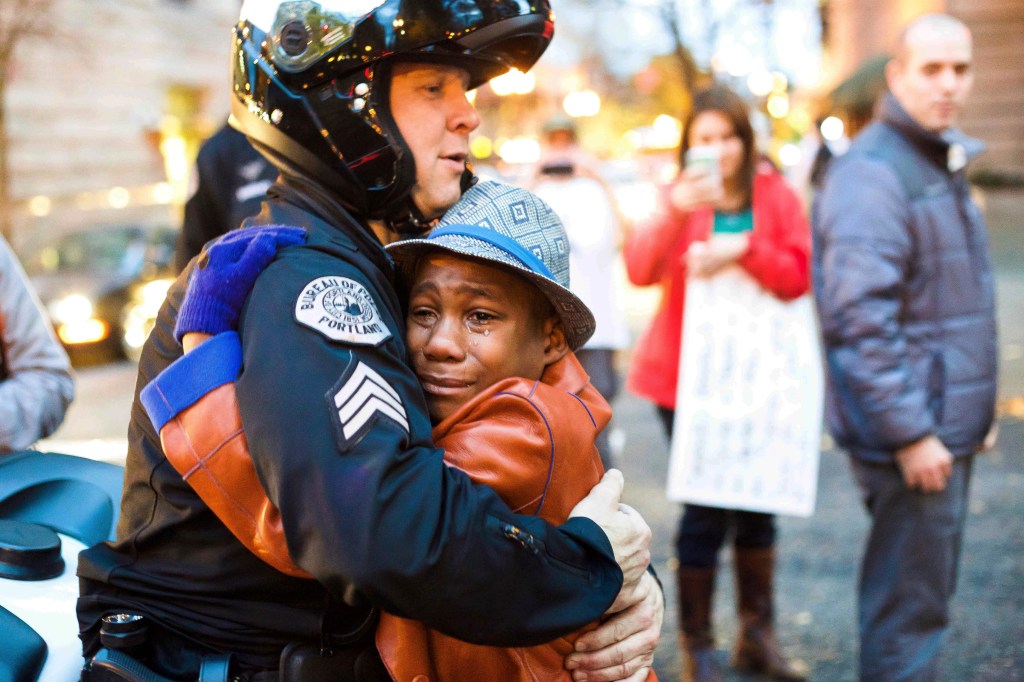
905, 292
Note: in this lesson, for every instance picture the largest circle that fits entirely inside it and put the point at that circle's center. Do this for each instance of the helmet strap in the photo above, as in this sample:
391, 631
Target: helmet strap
406, 220
409, 221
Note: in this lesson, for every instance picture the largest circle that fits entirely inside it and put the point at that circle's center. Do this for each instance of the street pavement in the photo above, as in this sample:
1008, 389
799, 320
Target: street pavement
818, 556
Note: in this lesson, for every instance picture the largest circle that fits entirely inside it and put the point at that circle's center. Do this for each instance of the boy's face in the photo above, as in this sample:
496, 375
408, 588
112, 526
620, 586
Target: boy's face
472, 324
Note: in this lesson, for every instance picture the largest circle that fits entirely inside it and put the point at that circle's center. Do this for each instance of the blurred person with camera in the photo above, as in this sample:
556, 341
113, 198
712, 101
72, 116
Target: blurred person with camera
725, 208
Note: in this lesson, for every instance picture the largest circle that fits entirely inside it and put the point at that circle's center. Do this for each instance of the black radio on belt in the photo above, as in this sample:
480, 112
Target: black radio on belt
124, 631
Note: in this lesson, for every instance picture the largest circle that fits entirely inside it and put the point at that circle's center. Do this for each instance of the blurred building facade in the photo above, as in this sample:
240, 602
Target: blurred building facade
856, 30
104, 115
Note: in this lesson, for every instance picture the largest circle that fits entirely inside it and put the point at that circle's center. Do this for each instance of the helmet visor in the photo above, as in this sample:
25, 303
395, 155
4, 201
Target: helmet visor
300, 33
263, 13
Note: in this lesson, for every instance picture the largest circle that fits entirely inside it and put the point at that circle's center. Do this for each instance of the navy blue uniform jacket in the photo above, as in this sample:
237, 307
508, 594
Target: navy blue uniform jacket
340, 438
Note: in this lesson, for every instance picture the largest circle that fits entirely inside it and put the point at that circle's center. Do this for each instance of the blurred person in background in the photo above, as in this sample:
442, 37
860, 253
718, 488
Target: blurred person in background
36, 384
846, 111
826, 151
229, 181
567, 180
769, 238
906, 297
561, 146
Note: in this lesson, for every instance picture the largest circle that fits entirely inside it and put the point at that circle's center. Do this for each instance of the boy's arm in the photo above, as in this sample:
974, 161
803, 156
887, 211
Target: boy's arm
193, 406
192, 402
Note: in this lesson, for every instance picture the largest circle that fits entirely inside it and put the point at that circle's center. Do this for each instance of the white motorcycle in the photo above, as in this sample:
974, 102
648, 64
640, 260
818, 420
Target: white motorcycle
52, 506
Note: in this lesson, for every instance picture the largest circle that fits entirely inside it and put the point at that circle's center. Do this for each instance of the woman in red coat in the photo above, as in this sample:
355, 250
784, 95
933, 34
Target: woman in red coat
770, 239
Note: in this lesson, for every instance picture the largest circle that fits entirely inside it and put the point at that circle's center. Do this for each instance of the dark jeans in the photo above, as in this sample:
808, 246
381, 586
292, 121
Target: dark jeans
908, 572
703, 530
599, 364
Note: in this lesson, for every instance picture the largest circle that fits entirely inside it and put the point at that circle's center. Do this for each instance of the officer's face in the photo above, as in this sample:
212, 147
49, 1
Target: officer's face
472, 324
428, 102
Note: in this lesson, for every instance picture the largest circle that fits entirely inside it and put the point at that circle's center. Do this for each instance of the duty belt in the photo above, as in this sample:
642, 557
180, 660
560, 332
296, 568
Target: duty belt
123, 658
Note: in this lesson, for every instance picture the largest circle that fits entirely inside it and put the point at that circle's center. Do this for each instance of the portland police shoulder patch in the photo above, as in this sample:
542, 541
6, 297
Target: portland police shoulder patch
342, 310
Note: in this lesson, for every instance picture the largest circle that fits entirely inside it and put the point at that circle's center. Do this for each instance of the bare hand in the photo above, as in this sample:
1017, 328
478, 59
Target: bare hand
622, 647
925, 464
628, 533
695, 188
704, 259
193, 339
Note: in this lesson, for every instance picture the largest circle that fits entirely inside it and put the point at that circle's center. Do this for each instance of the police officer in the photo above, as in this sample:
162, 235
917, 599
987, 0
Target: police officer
362, 108
231, 180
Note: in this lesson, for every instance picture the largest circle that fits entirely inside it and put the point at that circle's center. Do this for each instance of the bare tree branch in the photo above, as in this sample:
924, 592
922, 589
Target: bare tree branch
20, 20
12, 14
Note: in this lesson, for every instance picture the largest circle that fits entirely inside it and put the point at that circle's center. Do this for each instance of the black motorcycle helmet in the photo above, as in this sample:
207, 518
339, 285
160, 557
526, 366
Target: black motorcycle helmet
312, 81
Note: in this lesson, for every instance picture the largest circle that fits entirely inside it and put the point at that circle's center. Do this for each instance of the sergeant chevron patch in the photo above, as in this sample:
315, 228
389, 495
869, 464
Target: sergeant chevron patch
364, 396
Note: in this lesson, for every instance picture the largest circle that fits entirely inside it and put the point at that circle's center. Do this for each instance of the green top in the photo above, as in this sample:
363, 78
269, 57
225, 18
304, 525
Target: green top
733, 223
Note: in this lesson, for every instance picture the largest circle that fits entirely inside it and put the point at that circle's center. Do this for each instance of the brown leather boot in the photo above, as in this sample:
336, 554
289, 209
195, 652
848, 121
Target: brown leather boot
696, 586
756, 650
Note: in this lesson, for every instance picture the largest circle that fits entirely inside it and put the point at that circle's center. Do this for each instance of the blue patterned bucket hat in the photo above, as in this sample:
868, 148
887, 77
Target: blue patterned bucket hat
509, 226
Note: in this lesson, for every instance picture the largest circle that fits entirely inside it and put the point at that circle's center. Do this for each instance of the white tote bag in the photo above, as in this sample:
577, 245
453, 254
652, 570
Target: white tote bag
747, 428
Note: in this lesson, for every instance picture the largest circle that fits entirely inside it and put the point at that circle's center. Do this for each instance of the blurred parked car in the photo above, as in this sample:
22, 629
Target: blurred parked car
103, 286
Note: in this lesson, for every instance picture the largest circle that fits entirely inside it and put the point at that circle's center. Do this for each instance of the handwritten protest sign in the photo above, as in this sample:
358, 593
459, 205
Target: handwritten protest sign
747, 428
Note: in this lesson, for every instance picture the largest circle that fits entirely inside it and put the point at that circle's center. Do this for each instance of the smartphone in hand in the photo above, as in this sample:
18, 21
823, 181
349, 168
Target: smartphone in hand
706, 159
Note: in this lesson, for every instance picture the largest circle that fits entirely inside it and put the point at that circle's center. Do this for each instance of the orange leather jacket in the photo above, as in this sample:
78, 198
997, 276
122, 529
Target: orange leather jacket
532, 442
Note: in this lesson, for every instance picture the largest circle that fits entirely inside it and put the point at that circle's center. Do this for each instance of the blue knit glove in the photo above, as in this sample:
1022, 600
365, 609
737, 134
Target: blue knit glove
224, 275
